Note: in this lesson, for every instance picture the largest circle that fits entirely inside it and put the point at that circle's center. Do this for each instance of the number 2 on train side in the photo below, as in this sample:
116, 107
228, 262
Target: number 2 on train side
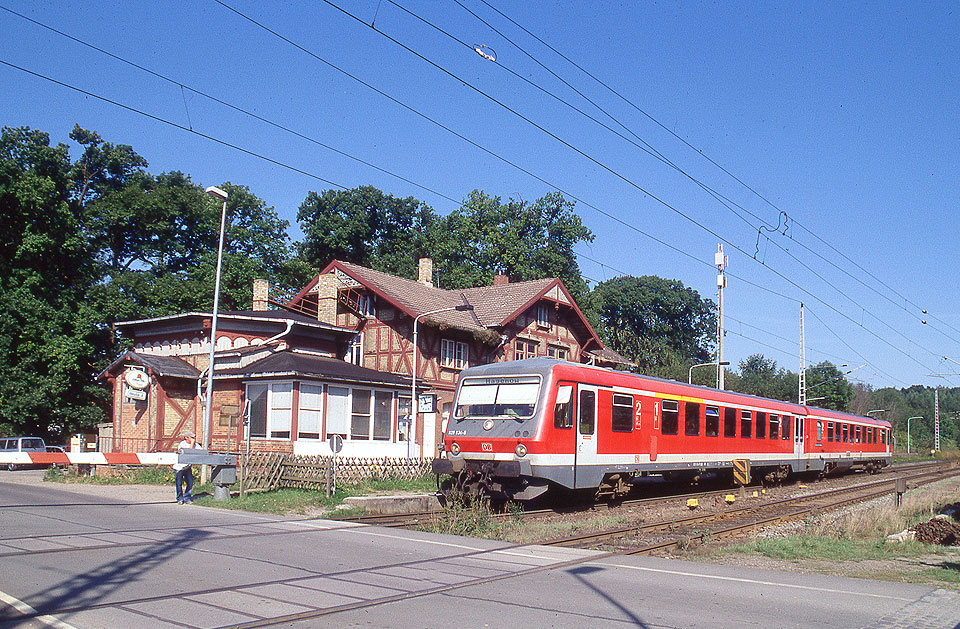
636, 415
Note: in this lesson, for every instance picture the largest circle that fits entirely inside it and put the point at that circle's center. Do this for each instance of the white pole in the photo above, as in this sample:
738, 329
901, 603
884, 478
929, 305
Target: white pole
208, 407
721, 260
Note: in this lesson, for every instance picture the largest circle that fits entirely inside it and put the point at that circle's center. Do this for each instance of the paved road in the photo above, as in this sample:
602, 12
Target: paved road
85, 556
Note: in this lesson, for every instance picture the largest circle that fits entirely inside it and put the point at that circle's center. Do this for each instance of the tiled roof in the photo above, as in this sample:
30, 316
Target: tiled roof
608, 355
160, 365
289, 362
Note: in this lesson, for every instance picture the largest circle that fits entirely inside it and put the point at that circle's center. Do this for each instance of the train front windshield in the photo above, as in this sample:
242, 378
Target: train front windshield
498, 398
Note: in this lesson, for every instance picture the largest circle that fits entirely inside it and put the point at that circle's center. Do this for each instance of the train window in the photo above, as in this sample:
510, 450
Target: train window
761, 425
819, 431
857, 438
746, 424
883, 437
670, 412
774, 426
785, 422
563, 411
691, 419
588, 418
507, 398
829, 431
621, 418
712, 426
729, 422
846, 433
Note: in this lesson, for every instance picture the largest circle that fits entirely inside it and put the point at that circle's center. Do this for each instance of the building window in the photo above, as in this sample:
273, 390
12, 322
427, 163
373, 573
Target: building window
354, 353
543, 316
310, 411
360, 415
453, 354
366, 306
622, 413
271, 409
525, 349
558, 352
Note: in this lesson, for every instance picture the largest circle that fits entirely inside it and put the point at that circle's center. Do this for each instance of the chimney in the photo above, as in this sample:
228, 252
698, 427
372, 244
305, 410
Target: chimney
327, 298
261, 294
425, 271
501, 280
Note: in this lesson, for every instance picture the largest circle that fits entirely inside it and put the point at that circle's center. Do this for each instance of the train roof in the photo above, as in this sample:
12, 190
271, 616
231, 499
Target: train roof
547, 366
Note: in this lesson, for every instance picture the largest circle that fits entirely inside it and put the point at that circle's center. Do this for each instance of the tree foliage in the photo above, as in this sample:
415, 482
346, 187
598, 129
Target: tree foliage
97, 240
367, 227
661, 324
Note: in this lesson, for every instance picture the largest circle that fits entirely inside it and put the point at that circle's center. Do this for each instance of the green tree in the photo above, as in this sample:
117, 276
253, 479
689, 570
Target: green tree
368, 227
524, 241
827, 387
48, 334
759, 375
660, 324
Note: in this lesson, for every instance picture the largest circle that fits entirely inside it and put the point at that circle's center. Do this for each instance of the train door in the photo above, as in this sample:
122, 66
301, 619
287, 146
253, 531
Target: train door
585, 454
798, 438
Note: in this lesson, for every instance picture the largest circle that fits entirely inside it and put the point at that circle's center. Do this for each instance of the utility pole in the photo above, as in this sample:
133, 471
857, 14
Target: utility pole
720, 259
936, 419
803, 363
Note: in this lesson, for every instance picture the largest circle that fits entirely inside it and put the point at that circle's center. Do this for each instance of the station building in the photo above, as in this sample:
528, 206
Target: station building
335, 358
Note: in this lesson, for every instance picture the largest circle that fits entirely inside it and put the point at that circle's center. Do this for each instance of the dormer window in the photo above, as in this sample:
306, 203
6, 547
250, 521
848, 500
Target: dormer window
454, 354
543, 316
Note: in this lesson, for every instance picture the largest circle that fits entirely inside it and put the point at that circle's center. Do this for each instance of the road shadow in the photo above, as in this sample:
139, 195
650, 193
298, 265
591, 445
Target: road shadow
95, 586
581, 572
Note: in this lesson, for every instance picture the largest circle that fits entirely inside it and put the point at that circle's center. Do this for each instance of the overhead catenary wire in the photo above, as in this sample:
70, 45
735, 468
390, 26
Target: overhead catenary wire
605, 167
917, 308
277, 162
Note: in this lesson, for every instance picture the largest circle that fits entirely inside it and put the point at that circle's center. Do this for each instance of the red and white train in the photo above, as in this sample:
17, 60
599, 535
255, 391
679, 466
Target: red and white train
517, 428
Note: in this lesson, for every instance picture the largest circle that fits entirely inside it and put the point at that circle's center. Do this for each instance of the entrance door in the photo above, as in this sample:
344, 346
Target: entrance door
585, 454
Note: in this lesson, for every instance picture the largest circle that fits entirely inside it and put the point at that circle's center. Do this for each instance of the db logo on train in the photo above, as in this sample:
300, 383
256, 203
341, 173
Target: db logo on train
486, 447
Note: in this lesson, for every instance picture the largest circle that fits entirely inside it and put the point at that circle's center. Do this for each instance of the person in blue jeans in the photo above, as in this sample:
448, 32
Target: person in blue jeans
183, 472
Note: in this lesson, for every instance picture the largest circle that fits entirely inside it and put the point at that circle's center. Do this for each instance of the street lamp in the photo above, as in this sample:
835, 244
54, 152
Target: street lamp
208, 408
908, 431
690, 371
411, 431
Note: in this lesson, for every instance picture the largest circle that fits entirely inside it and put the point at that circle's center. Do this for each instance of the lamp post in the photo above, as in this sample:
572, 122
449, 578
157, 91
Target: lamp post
208, 407
413, 369
718, 364
908, 431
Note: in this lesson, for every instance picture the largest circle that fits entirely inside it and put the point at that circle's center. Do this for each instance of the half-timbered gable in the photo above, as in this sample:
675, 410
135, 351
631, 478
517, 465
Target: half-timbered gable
454, 328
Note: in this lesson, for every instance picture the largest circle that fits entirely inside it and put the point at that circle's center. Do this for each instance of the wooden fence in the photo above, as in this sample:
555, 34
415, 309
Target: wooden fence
264, 470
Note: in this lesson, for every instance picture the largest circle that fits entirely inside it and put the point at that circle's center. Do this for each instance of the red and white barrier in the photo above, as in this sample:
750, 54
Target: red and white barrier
88, 458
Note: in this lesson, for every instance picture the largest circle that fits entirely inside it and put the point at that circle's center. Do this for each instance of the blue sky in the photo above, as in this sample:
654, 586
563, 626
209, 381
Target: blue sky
840, 117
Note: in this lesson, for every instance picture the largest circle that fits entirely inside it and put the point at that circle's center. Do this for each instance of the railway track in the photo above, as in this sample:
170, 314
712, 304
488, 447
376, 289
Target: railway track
419, 518
737, 521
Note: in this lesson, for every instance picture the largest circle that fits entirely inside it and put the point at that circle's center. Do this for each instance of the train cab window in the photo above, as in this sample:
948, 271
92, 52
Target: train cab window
774, 426
729, 422
761, 425
712, 425
829, 431
621, 417
746, 424
670, 413
785, 422
588, 417
563, 411
819, 431
691, 419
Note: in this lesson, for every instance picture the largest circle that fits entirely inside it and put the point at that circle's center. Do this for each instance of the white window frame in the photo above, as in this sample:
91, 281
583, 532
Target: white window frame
273, 411
560, 352
371, 433
354, 353
454, 354
543, 315
303, 409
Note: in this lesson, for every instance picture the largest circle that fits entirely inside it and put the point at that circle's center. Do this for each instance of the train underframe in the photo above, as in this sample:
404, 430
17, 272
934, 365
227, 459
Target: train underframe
509, 480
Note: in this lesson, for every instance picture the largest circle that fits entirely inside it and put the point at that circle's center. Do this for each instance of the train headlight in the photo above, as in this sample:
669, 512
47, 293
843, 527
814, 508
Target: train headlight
455, 448
521, 450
